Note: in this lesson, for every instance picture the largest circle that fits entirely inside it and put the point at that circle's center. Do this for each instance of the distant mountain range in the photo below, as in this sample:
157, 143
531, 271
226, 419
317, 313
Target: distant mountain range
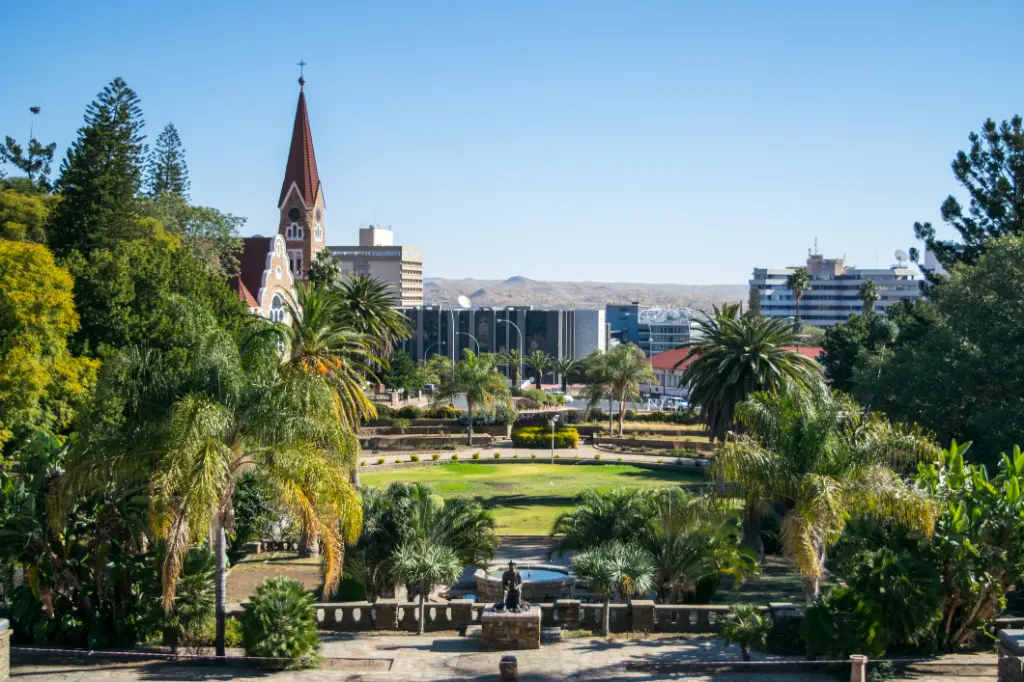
594, 295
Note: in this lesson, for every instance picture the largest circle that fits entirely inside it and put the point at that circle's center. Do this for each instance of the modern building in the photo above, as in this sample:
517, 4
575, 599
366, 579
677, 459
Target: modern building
669, 377
559, 333
834, 292
648, 328
378, 256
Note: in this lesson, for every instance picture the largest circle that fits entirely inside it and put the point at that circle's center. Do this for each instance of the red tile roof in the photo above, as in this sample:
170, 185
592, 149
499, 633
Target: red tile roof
301, 160
669, 358
252, 262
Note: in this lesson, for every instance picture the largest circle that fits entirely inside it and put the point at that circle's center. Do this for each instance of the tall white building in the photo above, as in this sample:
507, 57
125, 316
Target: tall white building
834, 292
378, 256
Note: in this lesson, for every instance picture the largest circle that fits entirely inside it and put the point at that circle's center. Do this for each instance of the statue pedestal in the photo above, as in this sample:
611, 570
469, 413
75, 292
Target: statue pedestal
505, 630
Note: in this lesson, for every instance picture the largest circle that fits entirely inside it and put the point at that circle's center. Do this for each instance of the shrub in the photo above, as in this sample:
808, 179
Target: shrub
533, 455
401, 425
558, 457
443, 412
505, 413
386, 412
661, 461
414, 458
748, 627
436, 456
232, 633
597, 456
189, 620
280, 621
362, 463
398, 460
497, 455
380, 460
515, 456
841, 623
455, 456
479, 419
476, 455
410, 412
576, 457
620, 459
538, 437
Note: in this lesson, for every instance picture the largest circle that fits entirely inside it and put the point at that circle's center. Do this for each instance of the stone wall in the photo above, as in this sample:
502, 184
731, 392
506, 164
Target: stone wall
1011, 656
5, 649
510, 631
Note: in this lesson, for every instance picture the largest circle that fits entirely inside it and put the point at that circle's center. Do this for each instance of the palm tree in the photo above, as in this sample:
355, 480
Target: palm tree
596, 382
748, 627
540, 361
512, 359
627, 368
425, 565
812, 450
475, 378
367, 306
734, 357
869, 294
405, 513
614, 567
691, 538
599, 517
798, 283
191, 426
565, 367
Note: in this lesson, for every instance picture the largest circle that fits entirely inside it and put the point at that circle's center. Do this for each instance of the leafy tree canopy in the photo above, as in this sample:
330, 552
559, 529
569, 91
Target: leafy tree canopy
23, 216
211, 236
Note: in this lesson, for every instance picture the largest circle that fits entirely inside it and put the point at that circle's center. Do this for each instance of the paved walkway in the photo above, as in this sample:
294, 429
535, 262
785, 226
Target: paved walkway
435, 657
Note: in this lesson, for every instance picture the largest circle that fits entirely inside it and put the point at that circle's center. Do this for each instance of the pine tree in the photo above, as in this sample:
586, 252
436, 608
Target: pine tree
101, 175
167, 172
36, 163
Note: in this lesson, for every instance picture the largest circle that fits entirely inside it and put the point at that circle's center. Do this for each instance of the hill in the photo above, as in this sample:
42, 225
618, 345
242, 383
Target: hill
547, 294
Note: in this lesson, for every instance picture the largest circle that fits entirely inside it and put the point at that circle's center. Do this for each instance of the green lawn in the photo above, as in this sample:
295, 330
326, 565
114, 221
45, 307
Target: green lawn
526, 498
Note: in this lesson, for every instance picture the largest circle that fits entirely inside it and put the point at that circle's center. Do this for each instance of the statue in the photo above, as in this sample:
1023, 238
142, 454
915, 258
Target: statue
512, 591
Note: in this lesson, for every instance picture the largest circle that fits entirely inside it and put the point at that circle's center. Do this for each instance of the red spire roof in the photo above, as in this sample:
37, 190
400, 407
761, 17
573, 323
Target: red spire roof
301, 160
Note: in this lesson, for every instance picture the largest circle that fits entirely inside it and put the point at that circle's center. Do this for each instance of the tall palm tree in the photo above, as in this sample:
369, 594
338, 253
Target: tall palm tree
614, 567
367, 306
798, 283
627, 368
734, 357
512, 359
475, 378
596, 382
869, 295
540, 361
406, 512
424, 565
565, 367
813, 451
691, 538
601, 516
191, 426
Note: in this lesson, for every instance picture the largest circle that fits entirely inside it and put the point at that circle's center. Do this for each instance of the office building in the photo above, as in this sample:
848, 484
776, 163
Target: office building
378, 256
652, 329
835, 290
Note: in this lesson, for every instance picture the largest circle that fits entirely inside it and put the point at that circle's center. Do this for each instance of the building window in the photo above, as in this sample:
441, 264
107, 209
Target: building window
293, 231
277, 309
294, 214
295, 262
318, 233
277, 272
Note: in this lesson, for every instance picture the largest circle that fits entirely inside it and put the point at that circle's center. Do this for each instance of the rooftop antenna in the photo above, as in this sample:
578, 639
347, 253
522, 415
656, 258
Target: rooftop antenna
815, 245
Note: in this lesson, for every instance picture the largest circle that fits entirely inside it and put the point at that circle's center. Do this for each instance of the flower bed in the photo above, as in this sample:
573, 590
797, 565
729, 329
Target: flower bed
540, 437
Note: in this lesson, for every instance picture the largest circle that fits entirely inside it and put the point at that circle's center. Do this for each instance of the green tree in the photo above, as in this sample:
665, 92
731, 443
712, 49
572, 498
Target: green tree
191, 422
366, 305
599, 517
425, 565
513, 360
847, 344
869, 295
627, 367
812, 450
567, 370
596, 383
611, 568
100, 177
34, 160
166, 170
540, 361
748, 627
324, 269
23, 216
992, 173
732, 358
754, 302
798, 282
211, 236
477, 380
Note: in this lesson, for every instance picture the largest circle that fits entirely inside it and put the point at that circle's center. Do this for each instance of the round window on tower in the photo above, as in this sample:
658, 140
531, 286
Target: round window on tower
294, 214
319, 215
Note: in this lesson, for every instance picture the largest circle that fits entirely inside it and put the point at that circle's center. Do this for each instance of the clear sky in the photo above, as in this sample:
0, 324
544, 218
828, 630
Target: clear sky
619, 141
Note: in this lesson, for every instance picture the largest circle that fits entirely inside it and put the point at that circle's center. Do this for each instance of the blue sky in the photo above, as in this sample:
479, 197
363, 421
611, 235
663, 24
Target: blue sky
617, 141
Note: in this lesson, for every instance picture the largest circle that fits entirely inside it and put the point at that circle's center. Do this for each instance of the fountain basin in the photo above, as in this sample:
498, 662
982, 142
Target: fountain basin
541, 582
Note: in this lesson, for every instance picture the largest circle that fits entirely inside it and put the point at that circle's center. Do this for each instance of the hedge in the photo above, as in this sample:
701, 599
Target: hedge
685, 418
540, 437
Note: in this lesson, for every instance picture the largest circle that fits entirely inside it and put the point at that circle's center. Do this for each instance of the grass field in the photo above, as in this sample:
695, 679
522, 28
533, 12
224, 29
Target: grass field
526, 498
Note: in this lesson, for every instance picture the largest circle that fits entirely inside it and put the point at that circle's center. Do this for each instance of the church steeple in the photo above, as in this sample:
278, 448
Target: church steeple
301, 204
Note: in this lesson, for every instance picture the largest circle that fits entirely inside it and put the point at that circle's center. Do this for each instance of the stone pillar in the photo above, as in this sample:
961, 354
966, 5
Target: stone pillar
642, 615
1011, 656
385, 614
462, 614
506, 630
5, 649
568, 611
857, 665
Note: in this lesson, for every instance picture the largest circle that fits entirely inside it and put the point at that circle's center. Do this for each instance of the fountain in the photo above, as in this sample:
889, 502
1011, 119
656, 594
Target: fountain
541, 582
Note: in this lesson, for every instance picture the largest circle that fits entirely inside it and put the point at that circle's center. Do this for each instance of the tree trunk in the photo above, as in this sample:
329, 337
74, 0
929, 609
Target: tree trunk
611, 417
540, 378
796, 322
423, 612
309, 543
745, 652
606, 617
469, 409
622, 412
354, 475
220, 580
812, 587
752, 532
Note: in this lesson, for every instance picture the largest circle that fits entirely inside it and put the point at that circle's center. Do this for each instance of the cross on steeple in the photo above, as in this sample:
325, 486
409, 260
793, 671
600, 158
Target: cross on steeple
302, 66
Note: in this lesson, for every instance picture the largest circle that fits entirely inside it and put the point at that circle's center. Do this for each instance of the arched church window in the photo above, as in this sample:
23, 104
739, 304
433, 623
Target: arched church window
293, 231
277, 272
277, 309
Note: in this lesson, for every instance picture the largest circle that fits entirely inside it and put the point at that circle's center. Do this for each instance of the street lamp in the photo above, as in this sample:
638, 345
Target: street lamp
552, 422
428, 348
463, 303
474, 340
520, 332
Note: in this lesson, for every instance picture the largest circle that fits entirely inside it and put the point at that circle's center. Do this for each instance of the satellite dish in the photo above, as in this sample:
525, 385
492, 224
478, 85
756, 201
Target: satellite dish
901, 256
465, 302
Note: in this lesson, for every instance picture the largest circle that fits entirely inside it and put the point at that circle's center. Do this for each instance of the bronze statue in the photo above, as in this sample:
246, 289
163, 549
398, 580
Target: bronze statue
512, 591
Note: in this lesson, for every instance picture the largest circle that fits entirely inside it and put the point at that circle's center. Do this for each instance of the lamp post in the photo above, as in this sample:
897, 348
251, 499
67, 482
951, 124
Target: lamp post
428, 348
520, 332
553, 421
463, 303
474, 340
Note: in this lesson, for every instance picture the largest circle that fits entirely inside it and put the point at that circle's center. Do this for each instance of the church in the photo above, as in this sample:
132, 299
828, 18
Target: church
269, 266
